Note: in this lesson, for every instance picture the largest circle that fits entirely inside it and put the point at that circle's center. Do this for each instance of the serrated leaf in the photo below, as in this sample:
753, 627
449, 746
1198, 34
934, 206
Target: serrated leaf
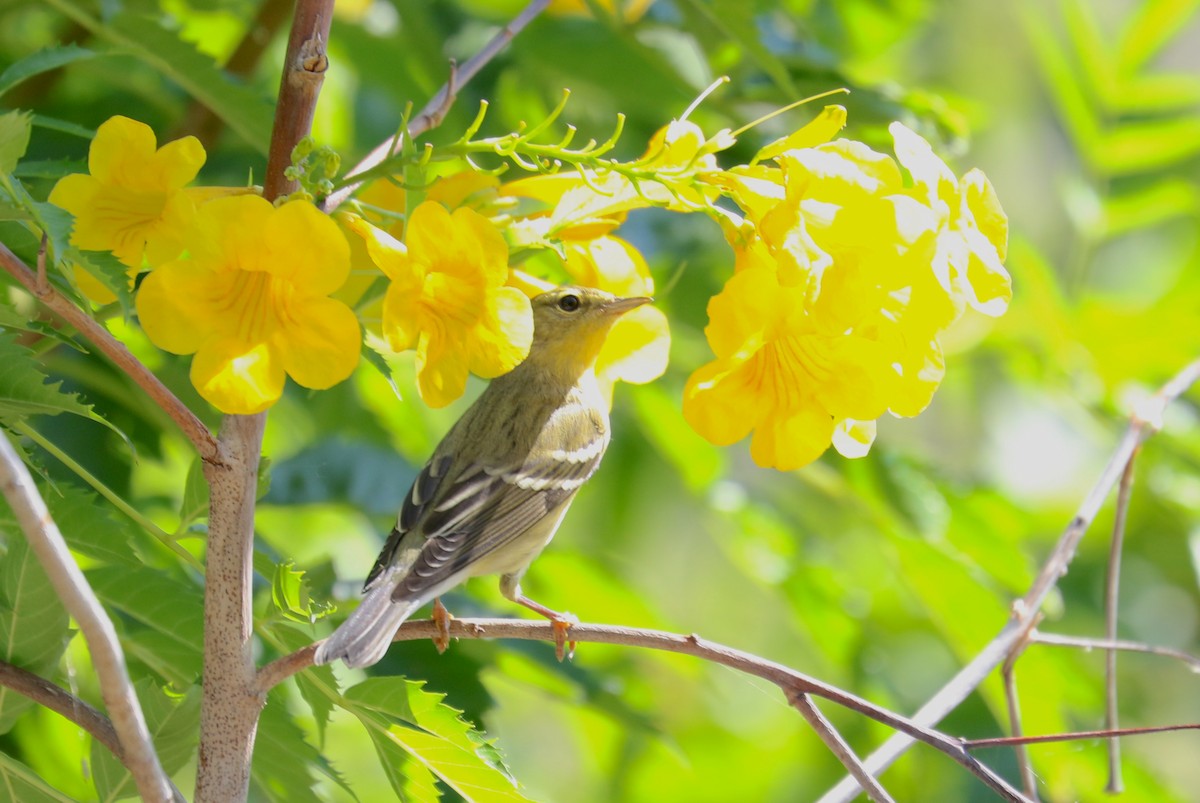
440, 739
284, 761
64, 126
55, 223
19, 784
289, 592
33, 622
169, 605
241, 108
25, 391
43, 60
109, 271
88, 527
49, 169
194, 505
316, 682
14, 137
410, 779
174, 724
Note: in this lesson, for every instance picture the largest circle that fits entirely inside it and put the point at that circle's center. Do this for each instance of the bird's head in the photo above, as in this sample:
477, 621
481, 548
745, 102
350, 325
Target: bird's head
570, 324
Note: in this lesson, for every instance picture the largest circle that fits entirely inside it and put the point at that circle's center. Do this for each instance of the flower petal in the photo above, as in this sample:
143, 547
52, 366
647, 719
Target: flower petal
236, 377
319, 345
637, 347
720, 401
307, 248
502, 339
441, 370
174, 306
792, 440
121, 153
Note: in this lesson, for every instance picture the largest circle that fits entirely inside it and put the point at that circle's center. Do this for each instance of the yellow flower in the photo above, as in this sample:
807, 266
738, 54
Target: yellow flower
447, 298
972, 228
133, 201
782, 372
251, 302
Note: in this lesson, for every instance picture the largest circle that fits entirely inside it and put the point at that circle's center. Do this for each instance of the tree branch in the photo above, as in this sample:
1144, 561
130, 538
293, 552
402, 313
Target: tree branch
231, 702
1112, 592
791, 682
80, 601
440, 104
69, 707
1144, 422
191, 426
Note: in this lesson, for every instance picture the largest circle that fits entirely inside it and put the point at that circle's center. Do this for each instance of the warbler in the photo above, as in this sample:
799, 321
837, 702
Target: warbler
498, 485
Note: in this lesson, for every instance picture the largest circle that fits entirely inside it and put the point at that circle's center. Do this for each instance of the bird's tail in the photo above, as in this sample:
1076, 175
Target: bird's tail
367, 633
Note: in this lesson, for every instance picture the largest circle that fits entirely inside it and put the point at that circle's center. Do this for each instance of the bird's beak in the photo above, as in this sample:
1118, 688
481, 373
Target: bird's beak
619, 306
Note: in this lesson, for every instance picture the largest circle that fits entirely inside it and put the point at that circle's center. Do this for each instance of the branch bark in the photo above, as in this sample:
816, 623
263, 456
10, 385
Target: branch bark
70, 707
792, 682
1144, 423
80, 601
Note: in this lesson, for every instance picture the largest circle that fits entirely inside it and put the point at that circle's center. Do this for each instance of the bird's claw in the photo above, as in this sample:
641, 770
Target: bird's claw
442, 619
562, 628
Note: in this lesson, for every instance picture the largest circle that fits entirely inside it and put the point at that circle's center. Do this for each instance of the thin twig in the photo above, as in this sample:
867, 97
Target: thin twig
68, 706
440, 104
1009, 673
1146, 421
1077, 736
191, 426
838, 746
80, 601
790, 681
1056, 640
1112, 591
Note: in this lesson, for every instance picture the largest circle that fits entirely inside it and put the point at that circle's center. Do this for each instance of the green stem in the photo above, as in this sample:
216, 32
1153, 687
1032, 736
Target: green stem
99, 487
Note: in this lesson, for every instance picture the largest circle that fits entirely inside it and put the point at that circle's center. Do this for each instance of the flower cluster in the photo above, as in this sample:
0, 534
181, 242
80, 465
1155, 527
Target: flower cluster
846, 274
240, 283
848, 266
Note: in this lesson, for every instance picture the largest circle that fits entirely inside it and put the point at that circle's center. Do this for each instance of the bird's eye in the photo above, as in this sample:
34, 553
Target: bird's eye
569, 303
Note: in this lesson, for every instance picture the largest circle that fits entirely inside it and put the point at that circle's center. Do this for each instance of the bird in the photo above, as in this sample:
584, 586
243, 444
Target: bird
498, 485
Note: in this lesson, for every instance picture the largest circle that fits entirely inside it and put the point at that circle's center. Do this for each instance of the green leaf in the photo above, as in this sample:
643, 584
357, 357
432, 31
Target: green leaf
41, 61
90, 529
317, 684
1153, 25
439, 739
169, 605
174, 727
24, 390
241, 108
33, 623
109, 271
283, 763
49, 169
14, 138
290, 593
194, 505
63, 126
19, 784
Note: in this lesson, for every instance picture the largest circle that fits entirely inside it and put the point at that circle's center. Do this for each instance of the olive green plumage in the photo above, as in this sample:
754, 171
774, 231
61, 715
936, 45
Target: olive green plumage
498, 485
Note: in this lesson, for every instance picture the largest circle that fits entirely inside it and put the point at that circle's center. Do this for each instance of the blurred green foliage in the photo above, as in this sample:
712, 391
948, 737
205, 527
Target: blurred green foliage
881, 575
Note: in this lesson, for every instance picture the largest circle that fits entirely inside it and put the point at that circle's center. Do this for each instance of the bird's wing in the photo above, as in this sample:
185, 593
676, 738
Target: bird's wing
466, 515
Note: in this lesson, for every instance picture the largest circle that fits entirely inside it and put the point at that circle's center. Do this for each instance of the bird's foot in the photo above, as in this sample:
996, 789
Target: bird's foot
442, 619
562, 625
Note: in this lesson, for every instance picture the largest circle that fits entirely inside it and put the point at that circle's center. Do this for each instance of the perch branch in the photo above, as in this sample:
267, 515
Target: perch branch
1056, 640
80, 601
440, 104
191, 426
790, 681
69, 707
1144, 423
837, 745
